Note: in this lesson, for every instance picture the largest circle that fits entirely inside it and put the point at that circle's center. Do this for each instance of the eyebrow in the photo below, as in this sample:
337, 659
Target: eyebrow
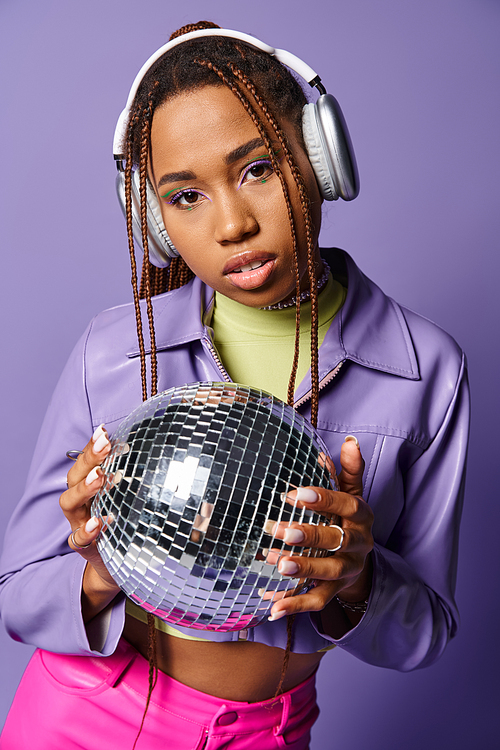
236, 155
244, 150
176, 177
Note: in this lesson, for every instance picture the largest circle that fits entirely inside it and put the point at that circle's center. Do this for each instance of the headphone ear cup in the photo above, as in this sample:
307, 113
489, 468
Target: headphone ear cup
161, 247
330, 149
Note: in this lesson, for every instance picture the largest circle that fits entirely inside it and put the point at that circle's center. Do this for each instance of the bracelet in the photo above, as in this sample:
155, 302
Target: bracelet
353, 606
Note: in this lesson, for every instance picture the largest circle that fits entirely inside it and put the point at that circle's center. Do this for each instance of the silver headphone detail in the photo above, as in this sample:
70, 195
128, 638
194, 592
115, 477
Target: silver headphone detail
325, 132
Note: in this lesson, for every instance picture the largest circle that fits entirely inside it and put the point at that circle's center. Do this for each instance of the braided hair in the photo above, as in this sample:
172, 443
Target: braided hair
270, 94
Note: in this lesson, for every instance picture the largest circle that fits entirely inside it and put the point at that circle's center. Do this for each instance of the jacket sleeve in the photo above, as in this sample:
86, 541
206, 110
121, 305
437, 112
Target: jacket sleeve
40, 576
411, 613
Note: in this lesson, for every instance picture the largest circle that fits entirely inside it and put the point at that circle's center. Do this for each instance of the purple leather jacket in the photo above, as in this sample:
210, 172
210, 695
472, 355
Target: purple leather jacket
388, 376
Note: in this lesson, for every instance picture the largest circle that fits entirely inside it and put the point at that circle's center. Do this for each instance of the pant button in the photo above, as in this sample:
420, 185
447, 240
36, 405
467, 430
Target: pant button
226, 719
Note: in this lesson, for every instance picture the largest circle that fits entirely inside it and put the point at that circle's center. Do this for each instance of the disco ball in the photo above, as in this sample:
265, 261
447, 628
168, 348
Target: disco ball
192, 477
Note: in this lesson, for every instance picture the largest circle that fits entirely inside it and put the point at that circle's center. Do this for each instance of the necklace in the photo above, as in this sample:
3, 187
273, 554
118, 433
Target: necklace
304, 295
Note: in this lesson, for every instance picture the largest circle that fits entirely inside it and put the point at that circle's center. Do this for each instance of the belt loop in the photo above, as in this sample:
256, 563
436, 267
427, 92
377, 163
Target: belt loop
286, 701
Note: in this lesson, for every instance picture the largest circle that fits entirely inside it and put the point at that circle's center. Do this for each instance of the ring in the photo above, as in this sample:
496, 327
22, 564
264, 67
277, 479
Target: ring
342, 535
78, 546
73, 455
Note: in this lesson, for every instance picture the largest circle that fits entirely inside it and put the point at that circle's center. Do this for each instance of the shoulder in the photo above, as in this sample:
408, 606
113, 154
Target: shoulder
383, 334
175, 314
404, 371
436, 350
108, 354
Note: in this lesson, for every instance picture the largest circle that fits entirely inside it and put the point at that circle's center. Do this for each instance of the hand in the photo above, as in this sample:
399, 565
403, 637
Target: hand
348, 571
85, 479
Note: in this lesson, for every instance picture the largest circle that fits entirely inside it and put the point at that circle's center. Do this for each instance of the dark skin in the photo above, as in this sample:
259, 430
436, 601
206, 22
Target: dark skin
240, 670
218, 191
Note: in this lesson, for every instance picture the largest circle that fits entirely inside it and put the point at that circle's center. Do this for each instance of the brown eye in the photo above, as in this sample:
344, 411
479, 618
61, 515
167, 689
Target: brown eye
259, 170
190, 196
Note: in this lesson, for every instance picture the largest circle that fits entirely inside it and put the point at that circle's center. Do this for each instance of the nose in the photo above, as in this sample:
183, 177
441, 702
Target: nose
235, 220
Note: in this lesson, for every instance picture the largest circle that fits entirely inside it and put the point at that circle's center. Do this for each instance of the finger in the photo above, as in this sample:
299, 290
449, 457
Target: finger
319, 537
82, 537
275, 596
313, 600
92, 455
82, 540
331, 502
75, 502
330, 568
353, 466
325, 460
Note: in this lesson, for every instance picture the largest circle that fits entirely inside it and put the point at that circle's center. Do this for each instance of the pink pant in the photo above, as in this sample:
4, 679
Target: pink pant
68, 702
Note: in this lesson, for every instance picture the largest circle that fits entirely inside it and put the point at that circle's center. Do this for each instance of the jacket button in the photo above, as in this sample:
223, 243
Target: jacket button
226, 719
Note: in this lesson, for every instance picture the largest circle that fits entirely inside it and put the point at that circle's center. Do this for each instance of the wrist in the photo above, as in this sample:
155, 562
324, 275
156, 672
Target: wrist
359, 591
97, 592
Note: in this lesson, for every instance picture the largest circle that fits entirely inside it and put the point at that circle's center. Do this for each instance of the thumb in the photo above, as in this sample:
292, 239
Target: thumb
351, 461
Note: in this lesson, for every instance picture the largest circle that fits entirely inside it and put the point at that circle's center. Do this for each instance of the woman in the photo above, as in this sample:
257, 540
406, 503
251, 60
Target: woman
215, 133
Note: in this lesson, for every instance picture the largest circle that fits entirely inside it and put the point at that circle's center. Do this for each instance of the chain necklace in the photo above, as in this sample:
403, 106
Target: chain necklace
304, 295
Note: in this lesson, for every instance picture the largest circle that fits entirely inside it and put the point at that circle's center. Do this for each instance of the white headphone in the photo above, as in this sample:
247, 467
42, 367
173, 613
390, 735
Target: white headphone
324, 129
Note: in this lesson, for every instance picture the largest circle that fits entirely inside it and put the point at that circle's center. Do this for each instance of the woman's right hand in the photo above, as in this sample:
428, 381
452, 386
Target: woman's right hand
85, 479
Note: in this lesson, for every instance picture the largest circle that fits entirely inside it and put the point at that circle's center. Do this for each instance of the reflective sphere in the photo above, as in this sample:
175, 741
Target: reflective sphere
192, 478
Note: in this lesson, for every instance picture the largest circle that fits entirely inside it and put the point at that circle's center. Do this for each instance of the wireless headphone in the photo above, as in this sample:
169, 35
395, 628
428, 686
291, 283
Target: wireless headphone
326, 138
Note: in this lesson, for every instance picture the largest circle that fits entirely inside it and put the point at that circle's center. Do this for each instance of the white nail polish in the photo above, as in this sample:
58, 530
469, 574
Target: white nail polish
306, 495
91, 524
98, 432
288, 567
351, 439
91, 476
269, 527
101, 443
277, 616
294, 536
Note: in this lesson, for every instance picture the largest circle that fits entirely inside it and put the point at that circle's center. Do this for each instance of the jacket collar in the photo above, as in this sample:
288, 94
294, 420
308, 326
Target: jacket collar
370, 329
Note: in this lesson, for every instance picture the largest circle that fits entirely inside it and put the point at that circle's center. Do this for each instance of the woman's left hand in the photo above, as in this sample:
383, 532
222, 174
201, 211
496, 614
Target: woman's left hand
347, 572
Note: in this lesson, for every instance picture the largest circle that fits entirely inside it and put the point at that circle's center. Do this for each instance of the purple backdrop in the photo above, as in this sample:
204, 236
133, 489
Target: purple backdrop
418, 82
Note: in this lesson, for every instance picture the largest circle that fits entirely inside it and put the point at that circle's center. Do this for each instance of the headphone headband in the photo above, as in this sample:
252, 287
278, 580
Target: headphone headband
325, 133
284, 57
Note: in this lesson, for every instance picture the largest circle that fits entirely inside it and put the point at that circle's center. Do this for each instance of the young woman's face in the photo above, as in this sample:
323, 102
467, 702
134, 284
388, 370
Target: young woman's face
222, 204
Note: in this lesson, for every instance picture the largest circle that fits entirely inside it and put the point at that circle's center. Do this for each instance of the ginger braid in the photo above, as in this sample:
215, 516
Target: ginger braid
175, 275
280, 135
310, 259
155, 281
133, 262
143, 175
306, 213
146, 282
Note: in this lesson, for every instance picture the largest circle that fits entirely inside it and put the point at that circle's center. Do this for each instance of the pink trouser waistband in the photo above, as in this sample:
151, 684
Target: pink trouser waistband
78, 701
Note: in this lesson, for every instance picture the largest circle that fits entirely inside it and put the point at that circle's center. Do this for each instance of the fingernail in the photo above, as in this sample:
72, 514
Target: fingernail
288, 567
294, 536
101, 442
91, 524
98, 432
351, 439
92, 476
261, 592
269, 527
277, 616
306, 495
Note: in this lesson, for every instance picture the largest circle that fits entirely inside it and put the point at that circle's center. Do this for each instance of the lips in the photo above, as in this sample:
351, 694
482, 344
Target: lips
249, 271
247, 261
250, 266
